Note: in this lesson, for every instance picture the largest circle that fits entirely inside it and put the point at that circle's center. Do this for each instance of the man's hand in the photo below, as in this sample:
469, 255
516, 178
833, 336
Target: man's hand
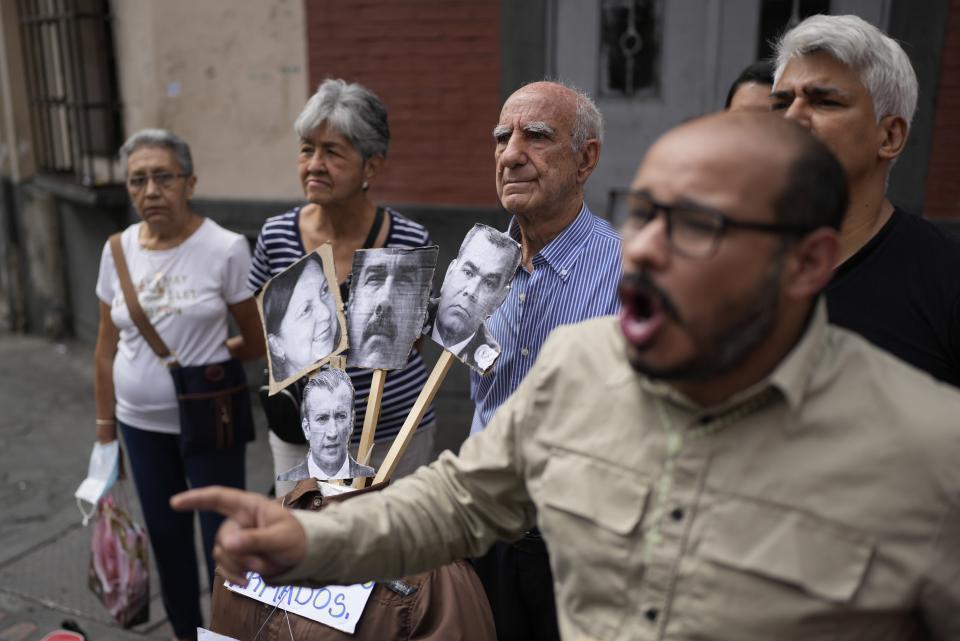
258, 534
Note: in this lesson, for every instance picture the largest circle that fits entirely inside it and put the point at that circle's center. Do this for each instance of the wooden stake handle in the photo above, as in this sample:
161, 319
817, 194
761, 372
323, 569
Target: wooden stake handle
370, 419
419, 408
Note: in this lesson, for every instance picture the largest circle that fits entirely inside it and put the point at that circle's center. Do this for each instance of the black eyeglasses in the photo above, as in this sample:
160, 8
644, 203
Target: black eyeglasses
692, 230
162, 180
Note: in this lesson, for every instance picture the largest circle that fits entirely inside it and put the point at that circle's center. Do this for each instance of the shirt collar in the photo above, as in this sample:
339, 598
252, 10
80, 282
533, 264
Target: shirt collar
791, 377
456, 349
562, 252
317, 473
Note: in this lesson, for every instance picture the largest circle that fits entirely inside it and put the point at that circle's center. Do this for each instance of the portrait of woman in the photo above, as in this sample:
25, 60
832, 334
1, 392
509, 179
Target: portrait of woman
300, 314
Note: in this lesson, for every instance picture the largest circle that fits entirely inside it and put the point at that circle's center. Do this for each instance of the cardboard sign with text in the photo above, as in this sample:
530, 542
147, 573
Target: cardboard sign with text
338, 606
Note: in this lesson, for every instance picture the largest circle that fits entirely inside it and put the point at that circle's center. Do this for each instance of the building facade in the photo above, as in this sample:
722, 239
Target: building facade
230, 76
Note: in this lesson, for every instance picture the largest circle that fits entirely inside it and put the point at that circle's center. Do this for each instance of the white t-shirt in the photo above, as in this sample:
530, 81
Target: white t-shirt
184, 292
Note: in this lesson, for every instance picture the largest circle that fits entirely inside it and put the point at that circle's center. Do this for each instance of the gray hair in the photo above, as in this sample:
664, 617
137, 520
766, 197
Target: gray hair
588, 122
158, 138
352, 110
884, 67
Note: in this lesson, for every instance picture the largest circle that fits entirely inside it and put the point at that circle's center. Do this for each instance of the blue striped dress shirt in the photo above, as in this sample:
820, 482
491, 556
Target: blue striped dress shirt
574, 278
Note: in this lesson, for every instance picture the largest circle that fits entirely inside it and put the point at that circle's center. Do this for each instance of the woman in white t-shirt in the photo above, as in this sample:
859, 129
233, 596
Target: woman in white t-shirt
190, 274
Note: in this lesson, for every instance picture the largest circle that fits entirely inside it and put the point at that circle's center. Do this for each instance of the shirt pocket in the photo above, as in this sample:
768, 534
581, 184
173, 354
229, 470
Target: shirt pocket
590, 513
798, 550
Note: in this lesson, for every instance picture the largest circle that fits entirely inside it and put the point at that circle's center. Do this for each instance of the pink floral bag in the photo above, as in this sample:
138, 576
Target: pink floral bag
119, 569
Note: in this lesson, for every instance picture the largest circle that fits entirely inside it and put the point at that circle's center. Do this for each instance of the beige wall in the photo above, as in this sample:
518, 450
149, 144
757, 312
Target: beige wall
16, 152
229, 76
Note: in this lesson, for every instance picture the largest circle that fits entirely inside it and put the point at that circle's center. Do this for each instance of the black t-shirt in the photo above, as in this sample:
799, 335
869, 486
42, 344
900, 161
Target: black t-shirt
901, 292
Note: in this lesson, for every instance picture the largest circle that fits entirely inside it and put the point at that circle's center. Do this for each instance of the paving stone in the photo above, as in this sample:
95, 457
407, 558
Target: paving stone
46, 434
18, 631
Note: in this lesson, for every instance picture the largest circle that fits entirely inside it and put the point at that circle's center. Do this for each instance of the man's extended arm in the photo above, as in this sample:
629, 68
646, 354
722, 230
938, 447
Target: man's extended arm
456, 507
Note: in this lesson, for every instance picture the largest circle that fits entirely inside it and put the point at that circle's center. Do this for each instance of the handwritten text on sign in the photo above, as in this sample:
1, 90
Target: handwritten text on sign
338, 606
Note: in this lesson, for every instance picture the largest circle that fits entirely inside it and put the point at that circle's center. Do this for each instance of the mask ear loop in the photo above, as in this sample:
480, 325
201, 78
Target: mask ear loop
289, 629
285, 614
86, 516
265, 621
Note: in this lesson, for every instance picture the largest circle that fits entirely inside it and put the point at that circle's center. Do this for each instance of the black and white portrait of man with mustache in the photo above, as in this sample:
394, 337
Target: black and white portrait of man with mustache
389, 293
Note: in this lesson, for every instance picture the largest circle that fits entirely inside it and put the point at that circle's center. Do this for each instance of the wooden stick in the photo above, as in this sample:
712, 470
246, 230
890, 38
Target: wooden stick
370, 419
427, 394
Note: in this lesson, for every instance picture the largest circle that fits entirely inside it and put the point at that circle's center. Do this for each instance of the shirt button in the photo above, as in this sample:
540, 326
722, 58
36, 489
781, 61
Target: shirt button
651, 614
563, 272
677, 514
522, 296
317, 501
524, 352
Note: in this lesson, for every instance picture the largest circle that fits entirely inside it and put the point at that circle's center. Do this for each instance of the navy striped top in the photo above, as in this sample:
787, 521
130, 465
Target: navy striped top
279, 246
574, 278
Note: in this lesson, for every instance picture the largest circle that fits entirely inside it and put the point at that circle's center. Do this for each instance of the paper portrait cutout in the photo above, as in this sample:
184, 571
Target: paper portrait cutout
389, 293
303, 318
327, 419
475, 284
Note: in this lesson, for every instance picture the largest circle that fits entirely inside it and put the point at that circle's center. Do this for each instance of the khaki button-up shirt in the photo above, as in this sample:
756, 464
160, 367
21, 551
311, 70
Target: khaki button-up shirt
820, 504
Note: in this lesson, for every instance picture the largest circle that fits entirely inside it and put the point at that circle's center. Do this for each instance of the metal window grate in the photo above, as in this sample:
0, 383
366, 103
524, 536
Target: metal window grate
72, 85
777, 16
629, 46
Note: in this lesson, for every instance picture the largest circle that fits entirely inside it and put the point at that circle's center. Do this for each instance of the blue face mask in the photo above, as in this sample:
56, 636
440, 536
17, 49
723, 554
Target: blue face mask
101, 475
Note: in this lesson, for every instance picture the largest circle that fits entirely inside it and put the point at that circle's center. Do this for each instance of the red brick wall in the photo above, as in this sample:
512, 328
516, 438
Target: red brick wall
436, 65
943, 177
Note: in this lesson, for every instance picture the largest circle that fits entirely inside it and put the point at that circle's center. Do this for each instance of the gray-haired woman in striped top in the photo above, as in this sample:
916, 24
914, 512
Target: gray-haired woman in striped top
343, 144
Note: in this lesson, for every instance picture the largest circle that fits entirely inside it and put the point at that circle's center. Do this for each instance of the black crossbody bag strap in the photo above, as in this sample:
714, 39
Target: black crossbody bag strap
374, 229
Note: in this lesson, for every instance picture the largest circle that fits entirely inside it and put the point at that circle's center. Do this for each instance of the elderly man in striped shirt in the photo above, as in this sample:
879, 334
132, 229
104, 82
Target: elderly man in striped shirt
548, 142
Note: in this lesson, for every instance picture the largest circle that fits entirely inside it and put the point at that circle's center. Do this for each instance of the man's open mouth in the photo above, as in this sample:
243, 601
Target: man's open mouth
643, 313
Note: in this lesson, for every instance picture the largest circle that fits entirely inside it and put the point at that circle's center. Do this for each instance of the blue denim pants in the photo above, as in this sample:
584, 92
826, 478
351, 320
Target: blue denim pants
159, 472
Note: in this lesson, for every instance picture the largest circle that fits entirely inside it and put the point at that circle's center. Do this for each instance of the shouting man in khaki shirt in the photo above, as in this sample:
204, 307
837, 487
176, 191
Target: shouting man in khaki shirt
718, 463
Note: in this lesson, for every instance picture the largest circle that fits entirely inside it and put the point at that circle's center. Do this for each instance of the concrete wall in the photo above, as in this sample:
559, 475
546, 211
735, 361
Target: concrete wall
46, 303
227, 75
12, 313
16, 150
85, 229
231, 91
16, 165
524, 28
